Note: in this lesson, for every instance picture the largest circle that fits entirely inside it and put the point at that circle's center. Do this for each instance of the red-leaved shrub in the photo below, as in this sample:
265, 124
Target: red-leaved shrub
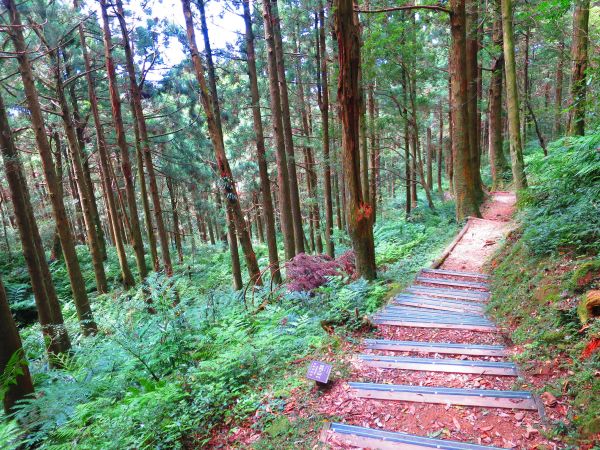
308, 272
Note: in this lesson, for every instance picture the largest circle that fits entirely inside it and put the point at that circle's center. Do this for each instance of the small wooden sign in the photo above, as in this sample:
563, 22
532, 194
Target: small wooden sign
319, 372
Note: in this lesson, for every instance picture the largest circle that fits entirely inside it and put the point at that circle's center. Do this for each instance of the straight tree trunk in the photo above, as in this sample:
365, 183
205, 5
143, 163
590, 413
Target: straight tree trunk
579, 56
224, 170
430, 156
323, 100
557, 129
265, 183
525, 117
49, 311
440, 149
285, 204
85, 194
359, 212
11, 351
408, 187
80, 131
311, 175
512, 97
80, 298
472, 73
374, 155
236, 270
115, 101
105, 165
467, 201
136, 101
175, 215
498, 162
287, 128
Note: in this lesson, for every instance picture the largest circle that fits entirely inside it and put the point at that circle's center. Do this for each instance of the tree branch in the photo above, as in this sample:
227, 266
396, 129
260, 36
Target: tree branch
403, 8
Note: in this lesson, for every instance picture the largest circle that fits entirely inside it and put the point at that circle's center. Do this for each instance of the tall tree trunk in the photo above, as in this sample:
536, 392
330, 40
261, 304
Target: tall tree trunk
579, 56
115, 102
287, 128
80, 131
82, 187
136, 101
311, 175
105, 165
80, 298
49, 311
498, 162
525, 101
175, 215
224, 170
472, 73
56, 251
323, 100
20, 385
408, 186
512, 97
430, 156
558, 93
285, 206
374, 156
440, 148
359, 212
467, 201
265, 183
236, 271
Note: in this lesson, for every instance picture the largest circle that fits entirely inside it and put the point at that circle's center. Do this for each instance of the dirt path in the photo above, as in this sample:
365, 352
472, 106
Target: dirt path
505, 427
483, 235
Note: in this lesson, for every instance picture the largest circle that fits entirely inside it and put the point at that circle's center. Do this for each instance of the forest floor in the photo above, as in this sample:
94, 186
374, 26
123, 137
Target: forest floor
307, 411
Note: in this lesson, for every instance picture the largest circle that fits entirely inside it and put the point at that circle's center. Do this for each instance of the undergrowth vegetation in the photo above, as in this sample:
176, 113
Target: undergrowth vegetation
179, 356
542, 276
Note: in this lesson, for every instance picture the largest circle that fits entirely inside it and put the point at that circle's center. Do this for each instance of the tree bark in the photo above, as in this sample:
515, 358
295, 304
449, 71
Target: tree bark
287, 129
557, 129
472, 73
285, 206
175, 215
440, 149
359, 211
265, 183
579, 55
80, 298
20, 386
498, 162
224, 170
105, 165
80, 182
323, 100
49, 311
512, 97
467, 202
115, 102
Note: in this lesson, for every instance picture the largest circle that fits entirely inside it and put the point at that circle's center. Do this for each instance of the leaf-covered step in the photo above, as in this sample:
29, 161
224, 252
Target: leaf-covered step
457, 274
363, 437
457, 294
437, 303
441, 365
452, 283
436, 347
489, 398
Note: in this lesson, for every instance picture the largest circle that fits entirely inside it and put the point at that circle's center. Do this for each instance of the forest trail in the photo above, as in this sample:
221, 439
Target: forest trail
437, 376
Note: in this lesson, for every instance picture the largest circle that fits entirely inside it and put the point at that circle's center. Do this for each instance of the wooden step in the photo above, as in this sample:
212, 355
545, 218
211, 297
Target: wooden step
457, 274
438, 304
455, 294
441, 365
408, 311
453, 283
362, 437
431, 323
488, 398
436, 347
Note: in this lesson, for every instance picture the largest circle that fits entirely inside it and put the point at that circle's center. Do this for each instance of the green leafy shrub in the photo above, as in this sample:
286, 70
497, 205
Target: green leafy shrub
562, 207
